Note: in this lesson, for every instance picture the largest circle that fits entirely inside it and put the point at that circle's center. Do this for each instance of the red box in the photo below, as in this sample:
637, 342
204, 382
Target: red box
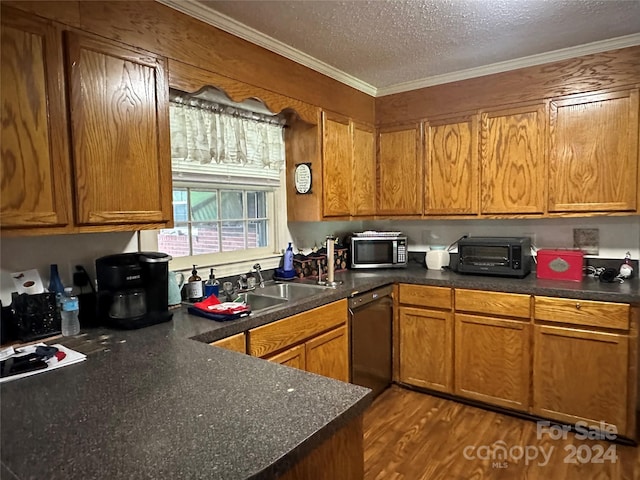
560, 264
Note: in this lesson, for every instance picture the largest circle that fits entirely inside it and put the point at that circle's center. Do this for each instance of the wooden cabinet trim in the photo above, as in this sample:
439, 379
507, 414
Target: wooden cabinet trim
188, 78
280, 334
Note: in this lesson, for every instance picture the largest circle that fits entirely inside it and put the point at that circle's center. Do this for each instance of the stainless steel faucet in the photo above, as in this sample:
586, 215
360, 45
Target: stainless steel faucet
258, 269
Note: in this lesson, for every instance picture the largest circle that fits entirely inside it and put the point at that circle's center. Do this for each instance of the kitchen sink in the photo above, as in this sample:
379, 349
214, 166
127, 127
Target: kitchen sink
260, 302
289, 291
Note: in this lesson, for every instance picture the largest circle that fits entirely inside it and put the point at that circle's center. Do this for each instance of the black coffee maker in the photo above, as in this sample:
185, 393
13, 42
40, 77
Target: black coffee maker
133, 289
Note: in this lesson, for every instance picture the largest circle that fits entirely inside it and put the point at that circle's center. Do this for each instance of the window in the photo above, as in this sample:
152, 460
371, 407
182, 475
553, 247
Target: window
229, 200
212, 220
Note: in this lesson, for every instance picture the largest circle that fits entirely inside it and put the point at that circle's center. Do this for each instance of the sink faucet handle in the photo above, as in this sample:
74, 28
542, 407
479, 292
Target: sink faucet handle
258, 270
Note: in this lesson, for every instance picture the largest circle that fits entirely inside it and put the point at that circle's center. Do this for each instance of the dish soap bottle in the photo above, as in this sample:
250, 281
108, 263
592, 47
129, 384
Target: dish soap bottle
211, 286
288, 259
194, 287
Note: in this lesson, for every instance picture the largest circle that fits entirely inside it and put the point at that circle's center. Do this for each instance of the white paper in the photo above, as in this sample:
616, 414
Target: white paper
28, 281
71, 357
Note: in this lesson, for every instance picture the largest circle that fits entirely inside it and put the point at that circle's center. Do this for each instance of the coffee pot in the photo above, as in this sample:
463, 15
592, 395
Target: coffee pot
133, 289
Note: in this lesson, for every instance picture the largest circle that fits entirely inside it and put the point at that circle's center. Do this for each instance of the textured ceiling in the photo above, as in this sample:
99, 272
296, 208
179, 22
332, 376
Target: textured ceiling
386, 43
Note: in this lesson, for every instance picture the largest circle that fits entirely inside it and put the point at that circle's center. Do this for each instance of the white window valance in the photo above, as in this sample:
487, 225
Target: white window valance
225, 143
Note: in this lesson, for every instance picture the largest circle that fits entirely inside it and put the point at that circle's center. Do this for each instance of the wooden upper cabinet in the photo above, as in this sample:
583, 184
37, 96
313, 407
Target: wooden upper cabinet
363, 180
400, 170
451, 173
337, 153
512, 157
35, 159
593, 160
120, 132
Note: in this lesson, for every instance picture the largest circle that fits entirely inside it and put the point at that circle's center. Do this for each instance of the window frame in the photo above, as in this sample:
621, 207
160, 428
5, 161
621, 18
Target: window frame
238, 261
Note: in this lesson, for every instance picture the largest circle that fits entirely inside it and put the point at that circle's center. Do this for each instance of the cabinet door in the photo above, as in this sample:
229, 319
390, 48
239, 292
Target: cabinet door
492, 360
363, 181
36, 191
451, 176
236, 343
593, 163
426, 348
337, 152
328, 354
120, 133
580, 375
400, 171
293, 357
512, 157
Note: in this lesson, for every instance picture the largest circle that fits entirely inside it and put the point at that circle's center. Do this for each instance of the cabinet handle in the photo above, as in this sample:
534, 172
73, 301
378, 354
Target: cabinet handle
578, 306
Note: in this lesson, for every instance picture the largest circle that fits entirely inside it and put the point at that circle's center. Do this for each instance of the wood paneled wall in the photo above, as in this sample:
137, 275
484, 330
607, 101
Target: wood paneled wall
162, 30
610, 69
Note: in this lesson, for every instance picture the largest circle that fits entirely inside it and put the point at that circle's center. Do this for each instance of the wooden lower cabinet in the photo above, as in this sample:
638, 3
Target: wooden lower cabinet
316, 341
236, 343
426, 348
327, 354
324, 355
293, 357
581, 375
492, 361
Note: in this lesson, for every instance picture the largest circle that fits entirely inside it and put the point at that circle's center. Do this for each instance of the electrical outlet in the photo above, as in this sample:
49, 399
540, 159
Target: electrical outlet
426, 237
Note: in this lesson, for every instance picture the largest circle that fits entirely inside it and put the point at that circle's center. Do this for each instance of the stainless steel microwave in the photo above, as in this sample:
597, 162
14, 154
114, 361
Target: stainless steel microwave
378, 250
500, 256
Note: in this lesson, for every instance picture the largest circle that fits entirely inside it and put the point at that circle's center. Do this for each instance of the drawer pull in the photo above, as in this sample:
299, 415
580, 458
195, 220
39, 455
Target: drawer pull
578, 306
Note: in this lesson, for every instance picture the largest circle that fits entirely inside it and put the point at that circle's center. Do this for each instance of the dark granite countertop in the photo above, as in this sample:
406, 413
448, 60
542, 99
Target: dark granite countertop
361, 281
154, 403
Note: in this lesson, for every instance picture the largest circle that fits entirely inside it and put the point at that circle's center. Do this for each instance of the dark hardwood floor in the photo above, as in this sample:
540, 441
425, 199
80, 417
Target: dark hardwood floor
415, 436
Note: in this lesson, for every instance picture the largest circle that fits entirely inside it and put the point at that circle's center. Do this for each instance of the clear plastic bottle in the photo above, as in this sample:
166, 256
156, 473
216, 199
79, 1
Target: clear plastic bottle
69, 313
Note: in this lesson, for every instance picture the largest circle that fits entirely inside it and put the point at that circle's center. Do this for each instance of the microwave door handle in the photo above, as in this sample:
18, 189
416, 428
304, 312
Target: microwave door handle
394, 256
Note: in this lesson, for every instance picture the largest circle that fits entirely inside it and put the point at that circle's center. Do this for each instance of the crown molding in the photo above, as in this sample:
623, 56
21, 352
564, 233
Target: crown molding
202, 12
530, 61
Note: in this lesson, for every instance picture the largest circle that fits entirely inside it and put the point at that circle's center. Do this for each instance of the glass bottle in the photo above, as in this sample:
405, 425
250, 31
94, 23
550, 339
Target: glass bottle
194, 286
55, 284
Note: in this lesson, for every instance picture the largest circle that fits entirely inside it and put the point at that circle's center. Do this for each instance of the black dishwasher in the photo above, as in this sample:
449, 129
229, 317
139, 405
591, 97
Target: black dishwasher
371, 318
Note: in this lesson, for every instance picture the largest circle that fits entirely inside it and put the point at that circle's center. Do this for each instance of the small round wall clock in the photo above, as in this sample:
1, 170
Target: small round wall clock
302, 178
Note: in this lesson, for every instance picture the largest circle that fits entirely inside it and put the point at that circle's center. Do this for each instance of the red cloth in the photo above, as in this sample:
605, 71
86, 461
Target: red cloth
213, 305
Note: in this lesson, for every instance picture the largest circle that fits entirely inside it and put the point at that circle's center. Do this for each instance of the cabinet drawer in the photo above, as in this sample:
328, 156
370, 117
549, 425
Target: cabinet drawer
289, 331
425, 296
582, 312
493, 303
